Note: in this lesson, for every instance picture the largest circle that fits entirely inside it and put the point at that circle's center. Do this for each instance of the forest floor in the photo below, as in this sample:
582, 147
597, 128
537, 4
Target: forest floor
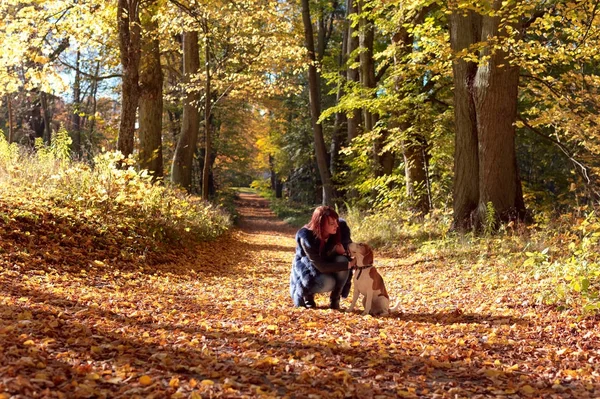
216, 320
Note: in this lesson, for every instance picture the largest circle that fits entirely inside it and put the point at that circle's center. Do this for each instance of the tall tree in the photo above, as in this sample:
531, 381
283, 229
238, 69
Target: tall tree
414, 145
181, 171
151, 97
465, 30
76, 112
485, 113
352, 73
207, 116
315, 106
128, 20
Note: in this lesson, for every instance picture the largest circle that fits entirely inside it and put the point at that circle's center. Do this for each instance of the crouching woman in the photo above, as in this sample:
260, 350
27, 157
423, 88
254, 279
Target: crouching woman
320, 264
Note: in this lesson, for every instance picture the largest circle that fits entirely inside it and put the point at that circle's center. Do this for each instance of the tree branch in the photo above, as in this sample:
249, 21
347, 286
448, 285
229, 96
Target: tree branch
88, 75
582, 169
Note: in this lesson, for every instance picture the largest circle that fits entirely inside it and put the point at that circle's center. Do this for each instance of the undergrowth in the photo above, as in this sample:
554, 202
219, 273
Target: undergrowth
555, 259
104, 194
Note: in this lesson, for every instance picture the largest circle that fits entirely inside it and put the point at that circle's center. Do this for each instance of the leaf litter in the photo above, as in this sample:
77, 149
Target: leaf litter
81, 318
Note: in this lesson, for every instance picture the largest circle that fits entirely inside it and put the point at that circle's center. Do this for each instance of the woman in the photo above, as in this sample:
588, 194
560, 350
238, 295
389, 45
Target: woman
320, 264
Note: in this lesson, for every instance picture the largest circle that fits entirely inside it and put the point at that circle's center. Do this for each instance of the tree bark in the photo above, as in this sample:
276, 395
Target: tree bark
47, 118
207, 120
128, 20
485, 99
384, 160
352, 74
414, 146
315, 107
367, 63
496, 90
94, 94
465, 31
181, 171
341, 121
415, 168
151, 102
11, 127
75, 116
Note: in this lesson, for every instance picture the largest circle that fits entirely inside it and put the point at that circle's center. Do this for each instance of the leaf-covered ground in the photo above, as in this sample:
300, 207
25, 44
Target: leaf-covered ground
79, 318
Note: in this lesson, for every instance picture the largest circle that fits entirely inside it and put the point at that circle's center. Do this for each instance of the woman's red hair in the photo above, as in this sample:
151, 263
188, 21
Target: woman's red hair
318, 220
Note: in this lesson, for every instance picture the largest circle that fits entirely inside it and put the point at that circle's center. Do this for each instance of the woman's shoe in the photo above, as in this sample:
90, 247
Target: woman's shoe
335, 303
309, 302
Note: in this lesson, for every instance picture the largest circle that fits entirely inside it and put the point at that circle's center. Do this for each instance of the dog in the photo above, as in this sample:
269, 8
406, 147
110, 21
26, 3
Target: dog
368, 282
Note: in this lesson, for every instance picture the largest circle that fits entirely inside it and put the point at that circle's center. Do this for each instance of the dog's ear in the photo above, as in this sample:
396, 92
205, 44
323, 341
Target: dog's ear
368, 258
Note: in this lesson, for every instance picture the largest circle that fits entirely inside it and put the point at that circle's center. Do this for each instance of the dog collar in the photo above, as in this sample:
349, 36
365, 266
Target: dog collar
360, 269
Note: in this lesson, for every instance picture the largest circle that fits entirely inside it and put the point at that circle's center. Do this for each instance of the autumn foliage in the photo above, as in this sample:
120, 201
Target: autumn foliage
216, 320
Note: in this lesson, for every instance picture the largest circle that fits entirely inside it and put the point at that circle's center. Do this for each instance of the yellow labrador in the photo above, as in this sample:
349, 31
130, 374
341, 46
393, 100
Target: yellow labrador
368, 282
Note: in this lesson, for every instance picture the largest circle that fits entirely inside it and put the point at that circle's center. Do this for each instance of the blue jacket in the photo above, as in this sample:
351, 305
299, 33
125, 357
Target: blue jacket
304, 271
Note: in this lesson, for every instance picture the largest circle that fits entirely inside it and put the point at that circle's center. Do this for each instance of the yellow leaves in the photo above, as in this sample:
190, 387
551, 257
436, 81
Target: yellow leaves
26, 315
266, 361
528, 390
145, 380
406, 394
492, 373
232, 327
93, 376
40, 59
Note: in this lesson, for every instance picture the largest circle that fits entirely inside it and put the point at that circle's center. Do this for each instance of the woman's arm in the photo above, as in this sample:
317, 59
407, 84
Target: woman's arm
323, 265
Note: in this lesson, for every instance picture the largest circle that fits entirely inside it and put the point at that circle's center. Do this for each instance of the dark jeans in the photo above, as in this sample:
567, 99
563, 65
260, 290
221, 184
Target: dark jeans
333, 282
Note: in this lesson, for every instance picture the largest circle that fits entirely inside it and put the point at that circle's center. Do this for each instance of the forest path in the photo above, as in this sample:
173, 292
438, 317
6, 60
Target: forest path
217, 321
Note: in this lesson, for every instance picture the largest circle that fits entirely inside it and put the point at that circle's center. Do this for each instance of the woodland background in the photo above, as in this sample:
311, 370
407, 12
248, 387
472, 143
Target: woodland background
431, 124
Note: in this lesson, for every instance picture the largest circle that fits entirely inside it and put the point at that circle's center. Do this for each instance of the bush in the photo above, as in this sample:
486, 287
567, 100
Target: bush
124, 197
570, 277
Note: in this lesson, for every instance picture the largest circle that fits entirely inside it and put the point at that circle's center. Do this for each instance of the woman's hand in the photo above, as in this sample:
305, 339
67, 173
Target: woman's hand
351, 263
339, 249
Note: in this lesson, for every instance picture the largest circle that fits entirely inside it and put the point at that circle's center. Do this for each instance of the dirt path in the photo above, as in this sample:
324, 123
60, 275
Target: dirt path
257, 218
218, 322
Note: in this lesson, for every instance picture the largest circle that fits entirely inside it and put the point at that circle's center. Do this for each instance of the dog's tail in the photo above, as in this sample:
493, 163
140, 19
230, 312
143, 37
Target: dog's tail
395, 307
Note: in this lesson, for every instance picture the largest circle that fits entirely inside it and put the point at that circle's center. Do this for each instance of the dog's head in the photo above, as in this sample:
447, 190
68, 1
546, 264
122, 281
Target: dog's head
362, 252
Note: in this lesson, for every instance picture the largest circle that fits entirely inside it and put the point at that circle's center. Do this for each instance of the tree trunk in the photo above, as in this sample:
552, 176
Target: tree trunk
384, 160
485, 99
496, 90
94, 94
366, 39
415, 167
315, 107
75, 116
414, 147
464, 31
151, 102
207, 120
341, 121
11, 127
352, 74
128, 20
47, 118
181, 172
